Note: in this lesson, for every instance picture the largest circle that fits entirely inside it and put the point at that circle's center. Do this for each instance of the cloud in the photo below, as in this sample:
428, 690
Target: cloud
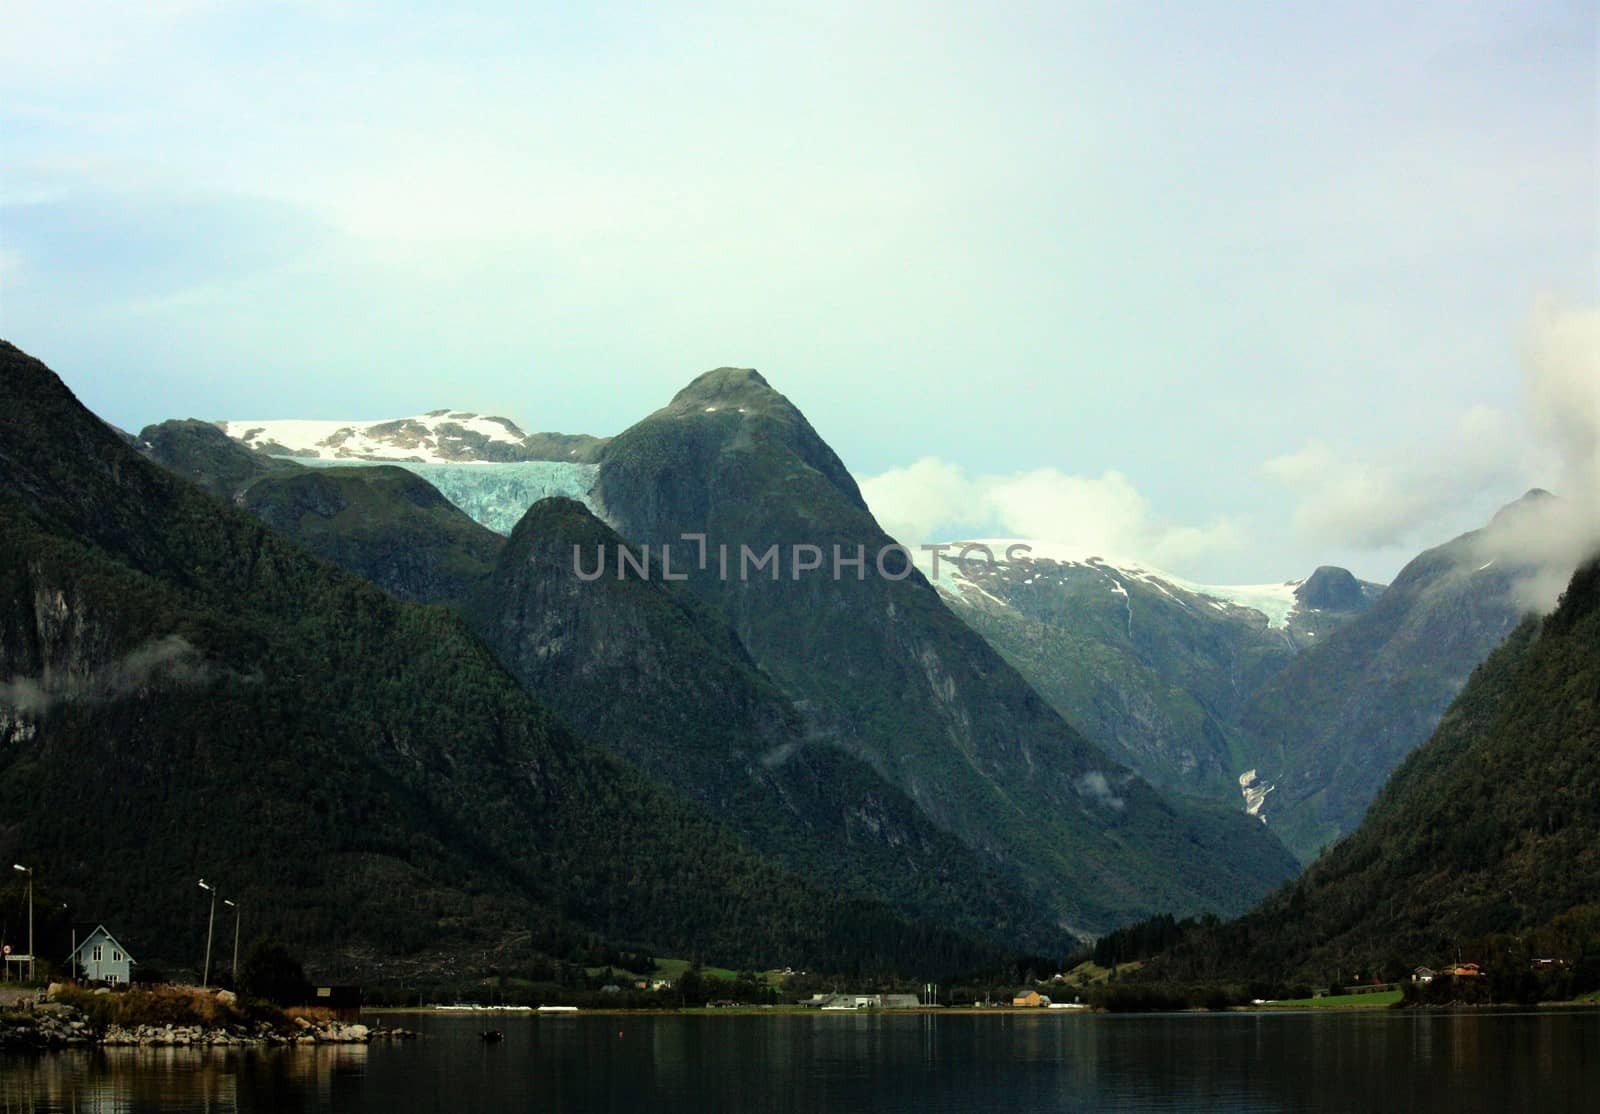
1095, 786
1366, 499
171, 659
1549, 538
1350, 497
1561, 352
1105, 515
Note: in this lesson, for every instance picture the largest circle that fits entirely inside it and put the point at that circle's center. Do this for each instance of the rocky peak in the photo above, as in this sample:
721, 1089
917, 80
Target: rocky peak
727, 388
1331, 588
1536, 501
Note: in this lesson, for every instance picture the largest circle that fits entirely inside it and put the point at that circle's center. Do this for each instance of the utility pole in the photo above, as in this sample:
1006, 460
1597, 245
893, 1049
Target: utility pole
205, 977
32, 974
225, 901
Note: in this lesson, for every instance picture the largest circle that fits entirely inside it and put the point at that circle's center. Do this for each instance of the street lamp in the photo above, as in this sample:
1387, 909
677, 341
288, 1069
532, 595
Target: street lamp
235, 905
29, 872
67, 909
205, 977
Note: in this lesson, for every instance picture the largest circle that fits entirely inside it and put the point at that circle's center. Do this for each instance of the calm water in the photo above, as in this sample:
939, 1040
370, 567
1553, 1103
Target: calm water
1306, 1061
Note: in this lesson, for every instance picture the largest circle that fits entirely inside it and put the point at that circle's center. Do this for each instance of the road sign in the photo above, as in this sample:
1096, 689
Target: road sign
5, 949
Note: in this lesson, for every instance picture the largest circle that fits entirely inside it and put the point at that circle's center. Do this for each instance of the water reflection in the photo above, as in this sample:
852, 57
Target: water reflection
128, 1080
1473, 1060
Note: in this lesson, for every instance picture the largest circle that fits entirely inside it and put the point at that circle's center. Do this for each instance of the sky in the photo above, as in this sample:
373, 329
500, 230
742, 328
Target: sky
1234, 289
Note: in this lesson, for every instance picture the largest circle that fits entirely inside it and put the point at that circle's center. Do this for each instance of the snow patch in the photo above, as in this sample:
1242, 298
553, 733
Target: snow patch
1276, 602
423, 437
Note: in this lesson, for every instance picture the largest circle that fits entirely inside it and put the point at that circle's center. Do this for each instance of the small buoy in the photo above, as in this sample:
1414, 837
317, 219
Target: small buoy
619, 1034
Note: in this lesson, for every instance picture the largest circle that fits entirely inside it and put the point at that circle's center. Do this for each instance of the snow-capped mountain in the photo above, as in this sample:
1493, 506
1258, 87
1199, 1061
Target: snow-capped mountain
970, 567
437, 437
1154, 666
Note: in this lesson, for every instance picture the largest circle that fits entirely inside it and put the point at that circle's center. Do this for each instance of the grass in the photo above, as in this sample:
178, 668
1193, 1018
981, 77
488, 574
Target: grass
1340, 1001
157, 1006
672, 969
1088, 972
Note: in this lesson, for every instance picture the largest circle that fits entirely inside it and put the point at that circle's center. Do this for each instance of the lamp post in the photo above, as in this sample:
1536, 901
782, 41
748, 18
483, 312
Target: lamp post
235, 905
205, 976
73, 958
29, 872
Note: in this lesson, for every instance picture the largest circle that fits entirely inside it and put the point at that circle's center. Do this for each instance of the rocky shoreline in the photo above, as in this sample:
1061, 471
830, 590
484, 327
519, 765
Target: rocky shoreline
54, 1027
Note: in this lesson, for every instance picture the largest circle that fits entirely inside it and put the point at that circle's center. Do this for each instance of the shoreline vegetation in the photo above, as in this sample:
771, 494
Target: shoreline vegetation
64, 1017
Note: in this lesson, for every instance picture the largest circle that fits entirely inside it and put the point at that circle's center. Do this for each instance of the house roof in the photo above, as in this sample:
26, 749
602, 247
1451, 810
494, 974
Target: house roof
101, 929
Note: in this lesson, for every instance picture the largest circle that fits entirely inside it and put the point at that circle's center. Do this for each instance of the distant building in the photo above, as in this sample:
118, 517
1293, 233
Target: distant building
1423, 975
1030, 998
100, 958
861, 1001
1464, 971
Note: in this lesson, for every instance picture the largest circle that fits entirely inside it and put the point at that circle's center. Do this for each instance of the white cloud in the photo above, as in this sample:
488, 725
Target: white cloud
1548, 538
1356, 497
1105, 515
1561, 353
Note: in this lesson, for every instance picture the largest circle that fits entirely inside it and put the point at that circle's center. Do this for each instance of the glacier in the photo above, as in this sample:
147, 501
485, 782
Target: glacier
493, 494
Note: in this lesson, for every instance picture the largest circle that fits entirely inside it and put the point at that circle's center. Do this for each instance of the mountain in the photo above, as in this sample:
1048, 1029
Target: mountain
189, 693
1483, 845
659, 676
383, 523
1295, 700
1155, 668
494, 494
881, 668
437, 437
204, 455
653, 675
1327, 729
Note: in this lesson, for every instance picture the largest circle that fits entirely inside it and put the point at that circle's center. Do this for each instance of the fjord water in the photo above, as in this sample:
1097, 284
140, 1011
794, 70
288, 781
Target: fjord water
1459, 1061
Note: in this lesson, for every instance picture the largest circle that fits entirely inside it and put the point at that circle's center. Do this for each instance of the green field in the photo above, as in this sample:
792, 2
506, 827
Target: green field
671, 969
1339, 1002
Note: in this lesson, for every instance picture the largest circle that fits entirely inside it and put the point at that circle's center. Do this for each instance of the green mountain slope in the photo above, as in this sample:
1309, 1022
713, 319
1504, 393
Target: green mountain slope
652, 670
384, 523
883, 669
1328, 728
189, 693
1490, 829
204, 455
1149, 666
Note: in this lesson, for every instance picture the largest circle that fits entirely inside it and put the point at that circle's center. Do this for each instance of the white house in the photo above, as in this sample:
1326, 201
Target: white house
100, 958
